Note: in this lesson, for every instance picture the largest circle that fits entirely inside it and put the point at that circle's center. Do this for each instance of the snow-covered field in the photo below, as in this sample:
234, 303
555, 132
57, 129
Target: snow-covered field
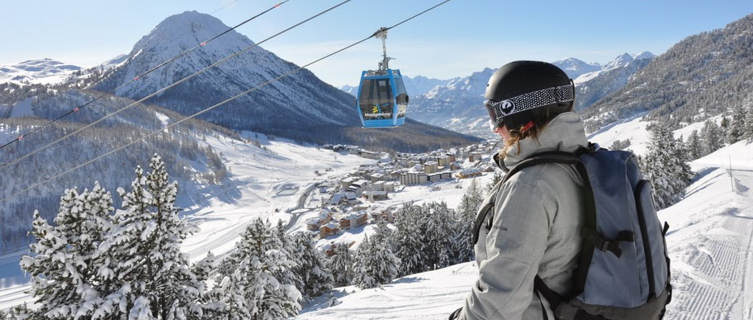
710, 244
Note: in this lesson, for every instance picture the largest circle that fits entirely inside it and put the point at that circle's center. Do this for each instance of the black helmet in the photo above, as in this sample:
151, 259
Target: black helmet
522, 91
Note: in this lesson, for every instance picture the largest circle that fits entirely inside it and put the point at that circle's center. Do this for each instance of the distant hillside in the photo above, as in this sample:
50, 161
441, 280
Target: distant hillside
593, 86
699, 77
38, 71
189, 159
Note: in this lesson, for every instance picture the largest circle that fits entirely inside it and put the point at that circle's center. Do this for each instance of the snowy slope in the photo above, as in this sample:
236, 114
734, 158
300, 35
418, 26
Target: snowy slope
40, 71
710, 244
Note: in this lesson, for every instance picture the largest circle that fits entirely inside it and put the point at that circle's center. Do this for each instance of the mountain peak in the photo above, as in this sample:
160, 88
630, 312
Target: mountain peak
618, 62
185, 30
644, 55
574, 67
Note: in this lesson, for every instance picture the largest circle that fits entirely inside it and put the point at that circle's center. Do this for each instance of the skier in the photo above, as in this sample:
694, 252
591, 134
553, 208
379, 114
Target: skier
535, 217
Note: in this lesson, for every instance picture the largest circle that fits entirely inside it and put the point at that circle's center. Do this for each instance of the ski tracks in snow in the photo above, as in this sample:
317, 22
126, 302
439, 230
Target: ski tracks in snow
713, 267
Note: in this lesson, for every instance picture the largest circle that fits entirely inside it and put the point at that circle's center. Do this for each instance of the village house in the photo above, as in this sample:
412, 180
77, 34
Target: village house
390, 186
354, 220
314, 223
430, 167
369, 154
387, 214
440, 176
475, 156
413, 178
328, 229
468, 173
373, 195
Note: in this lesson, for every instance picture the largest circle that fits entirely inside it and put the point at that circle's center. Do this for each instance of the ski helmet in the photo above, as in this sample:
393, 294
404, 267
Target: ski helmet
522, 91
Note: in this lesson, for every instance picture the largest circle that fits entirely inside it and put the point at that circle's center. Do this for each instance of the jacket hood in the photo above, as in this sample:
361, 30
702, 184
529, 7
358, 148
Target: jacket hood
564, 133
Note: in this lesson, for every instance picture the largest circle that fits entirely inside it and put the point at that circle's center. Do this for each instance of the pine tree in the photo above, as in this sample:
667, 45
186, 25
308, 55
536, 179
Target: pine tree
736, 129
694, 146
64, 268
666, 167
375, 264
256, 288
384, 262
362, 276
204, 267
341, 265
749, 123
315, 276
438, 236
409, 242
712, 137
154, 276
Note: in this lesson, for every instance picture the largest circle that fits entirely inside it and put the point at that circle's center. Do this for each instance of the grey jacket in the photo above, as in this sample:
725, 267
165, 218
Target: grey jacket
535, 229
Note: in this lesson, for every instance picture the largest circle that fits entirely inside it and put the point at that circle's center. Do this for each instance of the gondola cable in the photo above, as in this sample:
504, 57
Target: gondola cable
155, 132
189, 77
20, 137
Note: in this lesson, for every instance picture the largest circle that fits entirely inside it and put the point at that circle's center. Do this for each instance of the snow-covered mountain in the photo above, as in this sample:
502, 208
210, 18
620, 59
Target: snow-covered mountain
702, 76
415, 86
592, 86
39, 71
457, 105
300, 107
575, 67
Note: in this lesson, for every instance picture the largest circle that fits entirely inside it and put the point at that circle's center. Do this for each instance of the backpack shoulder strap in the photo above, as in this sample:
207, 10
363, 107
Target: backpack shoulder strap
539, 158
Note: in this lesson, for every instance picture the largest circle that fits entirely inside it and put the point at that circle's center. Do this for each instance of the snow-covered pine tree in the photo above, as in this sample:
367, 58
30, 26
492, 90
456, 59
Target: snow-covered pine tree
408, 239
465, 217
288, 245
65, 278
736, 128
234, 297
749, 123
362, 272
154, 279
693, 145
375, 264
666, 168
383, 233
384, 262
713, 138
316, 277
438, 236
259, 277
204, 267
341, 265
680, 158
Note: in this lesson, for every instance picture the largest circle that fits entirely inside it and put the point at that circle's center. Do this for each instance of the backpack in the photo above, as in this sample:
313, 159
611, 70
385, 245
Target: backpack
623, 267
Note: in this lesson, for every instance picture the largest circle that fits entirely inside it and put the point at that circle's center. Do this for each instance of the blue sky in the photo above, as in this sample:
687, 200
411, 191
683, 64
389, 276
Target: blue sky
457, 39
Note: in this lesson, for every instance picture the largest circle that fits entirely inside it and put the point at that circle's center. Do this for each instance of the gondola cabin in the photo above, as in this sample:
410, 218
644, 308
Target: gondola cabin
382, 101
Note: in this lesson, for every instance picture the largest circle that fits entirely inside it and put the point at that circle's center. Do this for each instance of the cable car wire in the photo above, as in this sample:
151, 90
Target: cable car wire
155, 132
20, 137
189, 77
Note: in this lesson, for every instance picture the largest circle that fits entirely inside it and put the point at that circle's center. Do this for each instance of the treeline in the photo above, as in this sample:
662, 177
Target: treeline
96, 262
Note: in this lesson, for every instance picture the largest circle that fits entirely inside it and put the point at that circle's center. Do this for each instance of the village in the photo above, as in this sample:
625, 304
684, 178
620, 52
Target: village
344, 205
